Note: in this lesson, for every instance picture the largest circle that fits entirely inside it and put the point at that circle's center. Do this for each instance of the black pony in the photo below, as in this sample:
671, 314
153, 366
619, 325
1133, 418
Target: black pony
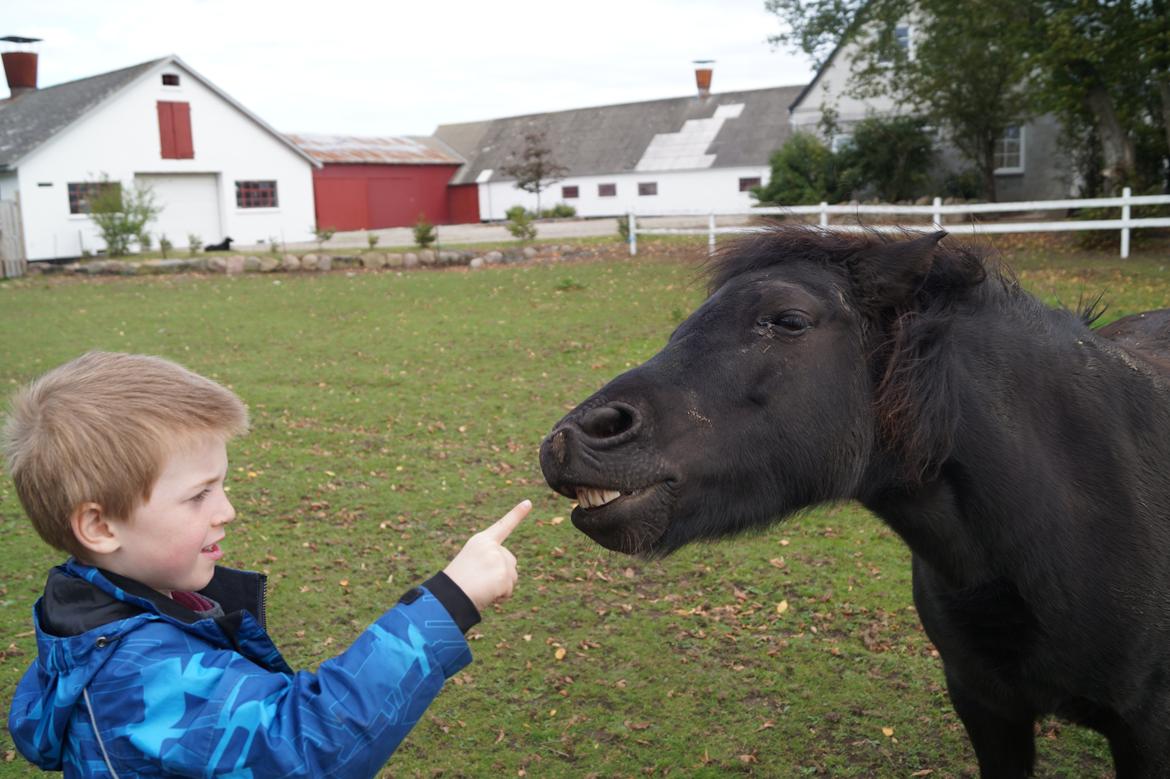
1023, 457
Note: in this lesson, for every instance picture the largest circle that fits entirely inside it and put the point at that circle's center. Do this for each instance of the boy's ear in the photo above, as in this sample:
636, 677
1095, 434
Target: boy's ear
93, 530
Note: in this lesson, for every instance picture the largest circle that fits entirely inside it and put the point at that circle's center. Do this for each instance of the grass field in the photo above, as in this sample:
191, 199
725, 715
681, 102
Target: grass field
394, 414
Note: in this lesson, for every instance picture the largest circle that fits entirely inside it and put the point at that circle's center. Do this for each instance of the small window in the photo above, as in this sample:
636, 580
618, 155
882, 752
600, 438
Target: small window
256, 194
607, 190
1009, 151
840, 142
647, 187
569, 193
82, 192
904, 41
170, 79
745, 185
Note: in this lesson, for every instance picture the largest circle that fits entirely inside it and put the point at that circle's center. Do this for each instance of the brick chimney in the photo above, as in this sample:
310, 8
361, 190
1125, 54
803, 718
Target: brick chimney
703, 70
20, 67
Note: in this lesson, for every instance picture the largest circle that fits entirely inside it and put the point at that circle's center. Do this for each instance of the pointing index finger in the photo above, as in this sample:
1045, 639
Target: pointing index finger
503, 527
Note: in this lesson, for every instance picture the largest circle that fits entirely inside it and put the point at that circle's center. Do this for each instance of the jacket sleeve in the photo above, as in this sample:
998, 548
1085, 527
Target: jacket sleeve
214, 712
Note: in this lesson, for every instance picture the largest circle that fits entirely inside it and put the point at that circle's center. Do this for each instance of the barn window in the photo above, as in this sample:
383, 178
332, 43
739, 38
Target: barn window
1009, 151
746, 184
174, 130
607, 190
256, 194
170, 79
81, 193
647, 187
569, 192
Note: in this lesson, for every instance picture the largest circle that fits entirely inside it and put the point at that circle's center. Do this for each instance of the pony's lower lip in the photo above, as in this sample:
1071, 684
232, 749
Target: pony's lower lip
631, 524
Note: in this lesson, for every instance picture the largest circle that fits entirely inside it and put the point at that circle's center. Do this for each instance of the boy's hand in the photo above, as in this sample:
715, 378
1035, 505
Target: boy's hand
484, 569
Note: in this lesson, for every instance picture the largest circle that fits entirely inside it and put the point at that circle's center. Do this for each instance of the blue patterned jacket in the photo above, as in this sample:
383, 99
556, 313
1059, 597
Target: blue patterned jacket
129, 683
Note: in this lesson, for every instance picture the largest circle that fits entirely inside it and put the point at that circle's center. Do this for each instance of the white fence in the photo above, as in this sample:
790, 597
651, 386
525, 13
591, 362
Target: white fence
937, 213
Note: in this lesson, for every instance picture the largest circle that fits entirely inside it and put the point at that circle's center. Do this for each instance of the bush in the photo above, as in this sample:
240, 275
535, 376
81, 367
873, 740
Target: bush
121, 215
194, 243
520, 223
803, 172
623, 225
372, 240
322, 234
164, 245
145, 242
559, 211
424, 232
965, 184
891, 156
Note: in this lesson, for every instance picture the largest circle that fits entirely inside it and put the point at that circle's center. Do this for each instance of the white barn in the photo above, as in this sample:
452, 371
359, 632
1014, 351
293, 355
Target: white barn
216, 169
676, 155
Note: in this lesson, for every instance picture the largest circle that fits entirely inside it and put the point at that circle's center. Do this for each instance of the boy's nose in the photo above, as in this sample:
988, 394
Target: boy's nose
228, 514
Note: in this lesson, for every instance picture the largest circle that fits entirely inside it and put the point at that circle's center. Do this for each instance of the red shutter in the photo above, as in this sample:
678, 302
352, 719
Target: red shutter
166, 130
174, 128
184, 145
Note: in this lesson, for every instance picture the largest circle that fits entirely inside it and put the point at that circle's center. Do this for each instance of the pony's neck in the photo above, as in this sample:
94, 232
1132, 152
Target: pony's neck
1035, 398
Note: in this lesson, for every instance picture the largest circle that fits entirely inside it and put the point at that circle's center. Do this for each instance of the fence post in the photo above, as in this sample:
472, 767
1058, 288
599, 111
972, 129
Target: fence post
824, 214
937, 213
632, 226
710, 234
1125, 223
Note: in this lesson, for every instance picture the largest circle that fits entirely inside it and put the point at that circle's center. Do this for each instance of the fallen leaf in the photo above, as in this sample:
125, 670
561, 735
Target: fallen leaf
887, 732
556, 520
637, 725
560, 653
782, 607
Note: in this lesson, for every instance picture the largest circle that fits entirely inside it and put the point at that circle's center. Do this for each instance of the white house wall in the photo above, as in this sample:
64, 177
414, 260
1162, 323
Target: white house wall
121, 139
829, 94
9, 184
686, 191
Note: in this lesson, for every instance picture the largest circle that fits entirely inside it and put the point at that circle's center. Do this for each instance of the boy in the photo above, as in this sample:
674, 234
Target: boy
152, 659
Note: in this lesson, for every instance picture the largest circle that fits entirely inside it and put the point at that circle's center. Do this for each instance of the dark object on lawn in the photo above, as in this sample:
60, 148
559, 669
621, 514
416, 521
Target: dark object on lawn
1023, 457
223, 246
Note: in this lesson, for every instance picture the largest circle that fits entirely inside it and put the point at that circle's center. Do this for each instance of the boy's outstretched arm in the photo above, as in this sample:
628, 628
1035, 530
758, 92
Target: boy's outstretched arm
219, 712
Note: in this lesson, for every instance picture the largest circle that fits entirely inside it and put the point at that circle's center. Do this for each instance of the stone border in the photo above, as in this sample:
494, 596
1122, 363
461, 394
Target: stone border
319, 262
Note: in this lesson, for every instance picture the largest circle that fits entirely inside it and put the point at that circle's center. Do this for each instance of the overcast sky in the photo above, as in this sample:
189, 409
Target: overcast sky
403, 68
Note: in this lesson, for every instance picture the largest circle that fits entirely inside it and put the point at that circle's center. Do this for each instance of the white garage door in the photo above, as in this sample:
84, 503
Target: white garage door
189, 204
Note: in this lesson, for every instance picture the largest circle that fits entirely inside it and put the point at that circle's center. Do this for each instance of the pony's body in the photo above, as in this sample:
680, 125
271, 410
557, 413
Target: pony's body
1024, 459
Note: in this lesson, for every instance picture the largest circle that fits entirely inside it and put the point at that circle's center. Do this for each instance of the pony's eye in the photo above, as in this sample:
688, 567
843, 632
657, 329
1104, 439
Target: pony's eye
789, 322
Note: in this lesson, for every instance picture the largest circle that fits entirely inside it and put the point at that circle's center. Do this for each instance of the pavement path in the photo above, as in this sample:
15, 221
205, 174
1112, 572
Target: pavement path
496, 231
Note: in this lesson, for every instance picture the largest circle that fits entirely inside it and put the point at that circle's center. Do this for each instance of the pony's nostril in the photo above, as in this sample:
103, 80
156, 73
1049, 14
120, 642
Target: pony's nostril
607, 421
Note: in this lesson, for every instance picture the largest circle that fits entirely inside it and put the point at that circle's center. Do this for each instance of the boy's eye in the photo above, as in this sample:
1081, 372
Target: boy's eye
203, 494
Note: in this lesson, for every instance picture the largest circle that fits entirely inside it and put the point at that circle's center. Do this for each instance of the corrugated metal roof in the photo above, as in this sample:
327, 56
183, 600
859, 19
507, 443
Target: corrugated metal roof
735, 129
398, 149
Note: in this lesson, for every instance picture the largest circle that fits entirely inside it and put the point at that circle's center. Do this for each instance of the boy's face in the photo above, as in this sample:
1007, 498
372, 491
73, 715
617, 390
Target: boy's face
171, 542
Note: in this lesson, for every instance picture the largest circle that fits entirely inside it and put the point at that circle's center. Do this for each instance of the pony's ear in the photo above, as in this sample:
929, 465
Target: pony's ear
888, 274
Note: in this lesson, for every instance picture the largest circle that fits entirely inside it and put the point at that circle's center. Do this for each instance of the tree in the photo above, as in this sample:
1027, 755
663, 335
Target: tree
1103, 68
967, 73
121, 215
1107, 66
536, 170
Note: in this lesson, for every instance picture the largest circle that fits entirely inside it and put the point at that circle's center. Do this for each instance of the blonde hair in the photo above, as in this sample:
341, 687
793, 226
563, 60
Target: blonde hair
100, 428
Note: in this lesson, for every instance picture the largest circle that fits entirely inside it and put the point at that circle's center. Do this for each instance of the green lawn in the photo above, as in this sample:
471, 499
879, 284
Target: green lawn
394, 414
